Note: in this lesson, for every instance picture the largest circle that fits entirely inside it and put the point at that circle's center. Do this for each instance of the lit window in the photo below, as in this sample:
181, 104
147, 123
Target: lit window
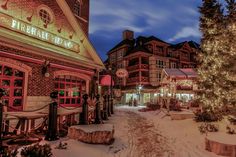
12, 81
70, 90
77, 7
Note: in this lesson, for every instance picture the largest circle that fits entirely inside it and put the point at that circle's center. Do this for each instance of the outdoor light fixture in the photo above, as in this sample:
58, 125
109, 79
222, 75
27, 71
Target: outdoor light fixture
45, 69
140, 87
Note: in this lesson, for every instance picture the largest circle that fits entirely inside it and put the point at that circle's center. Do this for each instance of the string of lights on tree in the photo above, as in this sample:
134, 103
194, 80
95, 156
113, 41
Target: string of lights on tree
217, 59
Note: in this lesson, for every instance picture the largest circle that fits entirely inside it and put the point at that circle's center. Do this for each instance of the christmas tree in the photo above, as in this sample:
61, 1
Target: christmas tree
217, 57
230, 53
211, 26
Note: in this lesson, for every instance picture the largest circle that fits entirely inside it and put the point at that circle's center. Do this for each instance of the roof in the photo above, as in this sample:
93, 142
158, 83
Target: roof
138, 48
151, 38
178, 46
193, 44
180, 73
123, 42
190, 43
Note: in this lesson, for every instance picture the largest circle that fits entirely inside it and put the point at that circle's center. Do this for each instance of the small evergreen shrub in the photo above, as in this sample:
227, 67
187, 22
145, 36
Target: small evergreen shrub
230, 130
9, 152
207, 127
37, 151
208, 116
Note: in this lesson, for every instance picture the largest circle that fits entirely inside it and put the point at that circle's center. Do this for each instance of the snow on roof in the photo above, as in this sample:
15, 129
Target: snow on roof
180, 73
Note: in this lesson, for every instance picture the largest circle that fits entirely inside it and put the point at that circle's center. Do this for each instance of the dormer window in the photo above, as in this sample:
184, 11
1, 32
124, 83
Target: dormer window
77, 8
45, 14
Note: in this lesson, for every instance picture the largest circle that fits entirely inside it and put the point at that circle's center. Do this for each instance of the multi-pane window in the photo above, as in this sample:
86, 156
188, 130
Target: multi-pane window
45, 16
161, 64
158, 76
173, 65
12, 81
77, 7
69, 89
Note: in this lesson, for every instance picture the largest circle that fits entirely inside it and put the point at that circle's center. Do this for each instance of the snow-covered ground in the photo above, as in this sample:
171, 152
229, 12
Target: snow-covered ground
142, 134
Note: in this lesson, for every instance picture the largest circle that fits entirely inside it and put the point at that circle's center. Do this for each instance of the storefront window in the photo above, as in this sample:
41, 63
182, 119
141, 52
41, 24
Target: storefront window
12, 81
70, 90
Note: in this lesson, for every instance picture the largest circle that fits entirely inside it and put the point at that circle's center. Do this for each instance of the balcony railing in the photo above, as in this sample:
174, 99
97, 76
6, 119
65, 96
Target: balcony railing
136, 79
136, 67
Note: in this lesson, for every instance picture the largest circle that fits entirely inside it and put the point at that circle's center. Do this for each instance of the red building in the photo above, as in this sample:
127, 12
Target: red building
44, 47
144, 58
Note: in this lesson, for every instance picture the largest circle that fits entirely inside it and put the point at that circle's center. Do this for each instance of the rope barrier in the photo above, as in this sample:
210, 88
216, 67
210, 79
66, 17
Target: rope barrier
28, 110
69, 108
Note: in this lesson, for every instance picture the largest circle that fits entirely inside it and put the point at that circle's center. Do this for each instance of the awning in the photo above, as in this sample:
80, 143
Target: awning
180, 73
106, 80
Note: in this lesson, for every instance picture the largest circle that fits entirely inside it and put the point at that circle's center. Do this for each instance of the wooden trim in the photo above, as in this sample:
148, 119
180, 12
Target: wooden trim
37, 61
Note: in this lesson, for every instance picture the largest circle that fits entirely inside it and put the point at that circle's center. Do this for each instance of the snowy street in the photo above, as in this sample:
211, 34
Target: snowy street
143, 134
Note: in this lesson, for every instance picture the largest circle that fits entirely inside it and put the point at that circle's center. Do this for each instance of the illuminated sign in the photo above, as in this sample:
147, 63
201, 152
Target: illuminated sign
38, 33
121, 73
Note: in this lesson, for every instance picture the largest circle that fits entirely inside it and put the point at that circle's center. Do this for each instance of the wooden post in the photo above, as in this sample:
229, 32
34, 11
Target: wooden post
105, 115
83, 119
98, 119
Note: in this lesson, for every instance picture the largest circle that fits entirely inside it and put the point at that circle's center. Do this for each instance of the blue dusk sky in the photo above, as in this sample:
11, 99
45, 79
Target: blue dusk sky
170, 20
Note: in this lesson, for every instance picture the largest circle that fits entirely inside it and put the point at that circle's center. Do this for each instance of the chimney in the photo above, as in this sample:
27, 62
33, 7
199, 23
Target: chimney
128, 34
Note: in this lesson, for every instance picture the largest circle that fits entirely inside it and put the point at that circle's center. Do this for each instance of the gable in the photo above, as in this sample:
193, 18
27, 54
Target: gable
186, 47
60, 36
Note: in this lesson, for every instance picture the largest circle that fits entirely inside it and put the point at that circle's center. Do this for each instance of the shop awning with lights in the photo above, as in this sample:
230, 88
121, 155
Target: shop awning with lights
179, 73
180, 79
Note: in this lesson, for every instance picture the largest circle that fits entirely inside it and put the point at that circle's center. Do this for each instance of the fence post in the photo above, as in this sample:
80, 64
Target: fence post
105, 116
83, 119
98, 111
109, 106
52, 133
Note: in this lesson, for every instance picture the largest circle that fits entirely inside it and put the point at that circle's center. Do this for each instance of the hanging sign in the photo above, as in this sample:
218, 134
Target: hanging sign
36, 32
121, 73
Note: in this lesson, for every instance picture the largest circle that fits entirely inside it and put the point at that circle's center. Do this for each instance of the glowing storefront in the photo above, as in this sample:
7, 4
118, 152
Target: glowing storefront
179, 83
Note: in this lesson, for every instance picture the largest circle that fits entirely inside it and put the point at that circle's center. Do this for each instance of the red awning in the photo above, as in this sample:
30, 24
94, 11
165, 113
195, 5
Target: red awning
106, 80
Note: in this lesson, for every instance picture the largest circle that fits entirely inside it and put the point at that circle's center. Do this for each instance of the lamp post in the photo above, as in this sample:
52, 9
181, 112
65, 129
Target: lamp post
139, 92
111, 91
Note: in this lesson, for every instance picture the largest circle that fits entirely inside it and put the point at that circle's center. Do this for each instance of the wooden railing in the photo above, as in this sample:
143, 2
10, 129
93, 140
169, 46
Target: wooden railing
136, 79
136, 67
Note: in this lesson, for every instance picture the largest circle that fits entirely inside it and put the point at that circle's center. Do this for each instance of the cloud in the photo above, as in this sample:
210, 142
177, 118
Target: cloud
165, 19
186, 32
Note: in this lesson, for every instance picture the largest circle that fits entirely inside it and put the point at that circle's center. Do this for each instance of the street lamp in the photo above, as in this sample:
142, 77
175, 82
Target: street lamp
140, 87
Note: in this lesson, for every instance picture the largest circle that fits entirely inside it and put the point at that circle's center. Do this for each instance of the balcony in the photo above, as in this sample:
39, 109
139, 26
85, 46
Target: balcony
136, 67
135, 80
132, 80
